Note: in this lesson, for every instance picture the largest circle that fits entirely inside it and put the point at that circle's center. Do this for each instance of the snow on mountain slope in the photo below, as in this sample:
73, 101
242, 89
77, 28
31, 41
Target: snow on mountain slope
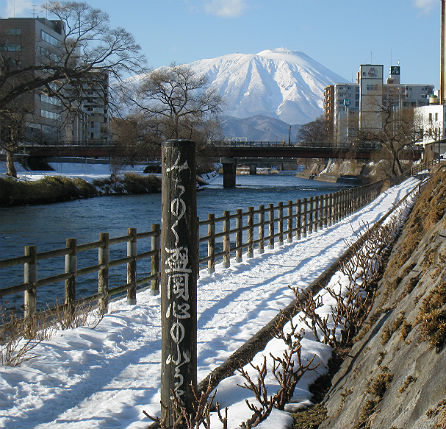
278, 83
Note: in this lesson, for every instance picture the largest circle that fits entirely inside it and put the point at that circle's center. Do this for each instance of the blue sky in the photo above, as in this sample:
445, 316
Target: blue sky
340, 34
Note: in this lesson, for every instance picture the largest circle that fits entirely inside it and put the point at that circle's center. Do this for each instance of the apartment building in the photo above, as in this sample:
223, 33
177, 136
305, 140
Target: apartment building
352, 106
36, 41
27, 42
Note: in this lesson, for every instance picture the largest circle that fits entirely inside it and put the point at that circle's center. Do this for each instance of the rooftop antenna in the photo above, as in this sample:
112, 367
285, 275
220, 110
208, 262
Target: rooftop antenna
371, 57
34, 10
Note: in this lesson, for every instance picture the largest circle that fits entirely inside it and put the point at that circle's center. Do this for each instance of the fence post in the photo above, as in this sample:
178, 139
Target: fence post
280, 210
299, 219
131, 266
304, 217
326, 197
30, 278
290, 221
271, 226
70, 268
179, 271
226, 240
155, 245
311, 217
211, 243
239, 236
250, 253
103, 261
261, 228
315, 213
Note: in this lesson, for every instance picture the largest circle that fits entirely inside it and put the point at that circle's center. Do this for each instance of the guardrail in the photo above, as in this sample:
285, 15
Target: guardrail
227, 236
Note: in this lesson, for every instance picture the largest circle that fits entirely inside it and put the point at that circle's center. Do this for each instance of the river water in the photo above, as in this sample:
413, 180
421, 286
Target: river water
47, 226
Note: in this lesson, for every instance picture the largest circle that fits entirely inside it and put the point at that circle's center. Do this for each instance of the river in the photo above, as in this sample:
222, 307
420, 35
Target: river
47, 226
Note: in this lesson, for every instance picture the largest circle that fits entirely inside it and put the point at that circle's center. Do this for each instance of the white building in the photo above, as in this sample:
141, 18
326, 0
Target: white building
431, 120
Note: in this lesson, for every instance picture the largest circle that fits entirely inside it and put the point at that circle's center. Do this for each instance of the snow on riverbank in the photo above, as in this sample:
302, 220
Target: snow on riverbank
105, 377
85, 170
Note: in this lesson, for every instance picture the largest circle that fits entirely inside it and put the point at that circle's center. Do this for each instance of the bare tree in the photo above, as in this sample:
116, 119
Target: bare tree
178, 100
12, 129
90, 47
398, 133
315, 132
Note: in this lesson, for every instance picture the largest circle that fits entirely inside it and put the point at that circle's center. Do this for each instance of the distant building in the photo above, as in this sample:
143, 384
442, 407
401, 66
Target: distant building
359, 104
431, 120
36, 41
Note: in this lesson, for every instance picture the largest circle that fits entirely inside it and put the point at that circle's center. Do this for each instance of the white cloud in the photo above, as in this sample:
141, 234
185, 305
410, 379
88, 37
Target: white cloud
225, 8
16, 8
426, 5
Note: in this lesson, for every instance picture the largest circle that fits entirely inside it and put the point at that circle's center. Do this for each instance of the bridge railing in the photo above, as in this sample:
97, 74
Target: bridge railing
222, 238
313, 145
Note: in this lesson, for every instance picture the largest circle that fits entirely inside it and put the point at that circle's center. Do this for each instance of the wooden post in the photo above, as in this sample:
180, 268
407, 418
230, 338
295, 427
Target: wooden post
280, 209
250, 253
290, 221
261, 228
179, 271
311, 215
305, 217
326, 200
103, 261
271, 226
30, 278
70, 268
299, 219
131, 266
155, 244
211, 243
316, 207
239, 236
226, 240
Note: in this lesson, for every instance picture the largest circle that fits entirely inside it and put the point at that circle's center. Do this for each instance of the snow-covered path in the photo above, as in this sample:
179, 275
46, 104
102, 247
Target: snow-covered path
105, 377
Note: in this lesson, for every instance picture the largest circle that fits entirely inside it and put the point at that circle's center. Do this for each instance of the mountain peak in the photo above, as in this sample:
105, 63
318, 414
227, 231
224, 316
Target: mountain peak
278, 83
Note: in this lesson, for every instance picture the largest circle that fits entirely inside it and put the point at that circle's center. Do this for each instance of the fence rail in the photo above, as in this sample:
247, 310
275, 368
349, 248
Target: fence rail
227, 236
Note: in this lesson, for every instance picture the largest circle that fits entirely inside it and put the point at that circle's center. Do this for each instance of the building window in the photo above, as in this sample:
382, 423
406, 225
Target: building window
14, 31
51, 100
11, 47
49, 39
49, 115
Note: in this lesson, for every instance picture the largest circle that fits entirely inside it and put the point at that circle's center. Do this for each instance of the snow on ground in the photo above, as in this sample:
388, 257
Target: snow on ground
105, 377
84, 170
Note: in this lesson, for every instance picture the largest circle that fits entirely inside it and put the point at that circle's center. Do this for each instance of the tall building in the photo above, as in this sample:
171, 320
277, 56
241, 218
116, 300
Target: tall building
358, 106
27, 42
37, 41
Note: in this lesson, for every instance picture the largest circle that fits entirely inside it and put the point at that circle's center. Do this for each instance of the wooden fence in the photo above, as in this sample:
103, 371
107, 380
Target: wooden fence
232, 234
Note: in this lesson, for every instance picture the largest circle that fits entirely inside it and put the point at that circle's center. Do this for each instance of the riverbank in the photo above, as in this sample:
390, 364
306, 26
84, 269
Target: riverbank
52, 189
344, 171
394, 374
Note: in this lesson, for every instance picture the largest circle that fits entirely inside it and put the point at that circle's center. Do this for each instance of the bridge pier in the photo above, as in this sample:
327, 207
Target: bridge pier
253, 169
229, 172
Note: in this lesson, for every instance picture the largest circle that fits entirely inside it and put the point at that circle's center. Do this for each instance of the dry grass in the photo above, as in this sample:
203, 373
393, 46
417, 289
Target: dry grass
18, 337
50, 189
432, 317
428, 210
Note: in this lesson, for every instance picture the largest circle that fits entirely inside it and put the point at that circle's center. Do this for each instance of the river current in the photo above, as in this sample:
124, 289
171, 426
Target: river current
47, 226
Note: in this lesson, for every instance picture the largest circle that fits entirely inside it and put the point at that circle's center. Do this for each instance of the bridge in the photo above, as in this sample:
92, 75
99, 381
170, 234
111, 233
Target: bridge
228, 153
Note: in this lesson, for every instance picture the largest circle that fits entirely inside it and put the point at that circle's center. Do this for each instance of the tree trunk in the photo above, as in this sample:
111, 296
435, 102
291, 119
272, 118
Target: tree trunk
10, 167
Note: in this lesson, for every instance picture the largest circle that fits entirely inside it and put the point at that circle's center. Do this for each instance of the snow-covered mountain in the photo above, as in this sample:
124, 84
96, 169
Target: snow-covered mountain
278, 83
